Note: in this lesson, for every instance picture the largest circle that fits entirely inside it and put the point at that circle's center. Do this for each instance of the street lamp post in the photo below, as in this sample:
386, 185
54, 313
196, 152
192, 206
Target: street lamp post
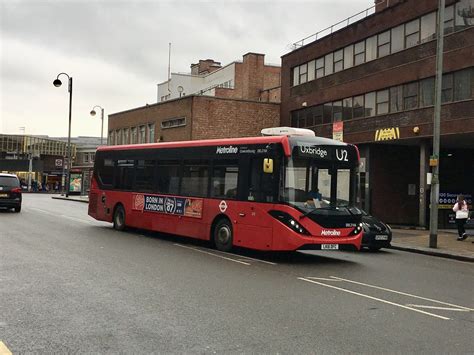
57, 83
93, 113
433, 243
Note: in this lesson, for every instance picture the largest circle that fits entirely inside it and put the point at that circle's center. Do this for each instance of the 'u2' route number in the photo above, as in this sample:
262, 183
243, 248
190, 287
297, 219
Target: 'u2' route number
341, 155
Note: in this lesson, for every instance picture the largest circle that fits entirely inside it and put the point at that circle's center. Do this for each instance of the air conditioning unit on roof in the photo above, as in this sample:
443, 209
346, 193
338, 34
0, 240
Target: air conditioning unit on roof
287, 131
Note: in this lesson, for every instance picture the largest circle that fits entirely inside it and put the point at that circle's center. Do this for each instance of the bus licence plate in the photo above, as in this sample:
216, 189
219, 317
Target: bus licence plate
381, 237
329, 246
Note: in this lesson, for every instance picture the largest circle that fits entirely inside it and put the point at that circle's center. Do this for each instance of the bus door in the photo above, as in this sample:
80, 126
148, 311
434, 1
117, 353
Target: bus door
259, 192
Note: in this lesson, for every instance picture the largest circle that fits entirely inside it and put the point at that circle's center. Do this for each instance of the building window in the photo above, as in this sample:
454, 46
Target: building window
337, 111
303, 73
428, 27
348, 57
382, 102
126, 138
328, 64
370, 104
347, 109
359, 53
383, 44
142, 135
327, 112
447, 89
396, 98
371, 48
86, 158
318, 115
338, 60
358, 106
412, 33
398, 38
449, 19
174, 122
410, 96
427, 92
462, 84
109, 138
320, 67
151, 133
311, 70
463, 14
134, 136
296, 76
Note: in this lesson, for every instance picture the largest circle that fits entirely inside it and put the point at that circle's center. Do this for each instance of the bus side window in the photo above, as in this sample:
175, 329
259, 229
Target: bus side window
124, 174
144, 176
224, 179
105, 171
195, 178
262, 187
168, 176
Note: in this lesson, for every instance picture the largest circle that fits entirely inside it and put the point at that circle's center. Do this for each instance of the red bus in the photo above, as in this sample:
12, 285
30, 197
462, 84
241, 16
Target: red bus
278, 193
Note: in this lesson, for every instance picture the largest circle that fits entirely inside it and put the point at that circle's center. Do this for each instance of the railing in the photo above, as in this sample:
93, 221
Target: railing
329, 30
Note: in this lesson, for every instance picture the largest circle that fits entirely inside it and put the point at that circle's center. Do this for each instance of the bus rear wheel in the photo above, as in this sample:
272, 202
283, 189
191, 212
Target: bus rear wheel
223, 235
119, 218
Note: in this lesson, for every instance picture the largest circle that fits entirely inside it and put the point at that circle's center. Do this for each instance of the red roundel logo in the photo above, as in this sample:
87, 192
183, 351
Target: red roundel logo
139, 202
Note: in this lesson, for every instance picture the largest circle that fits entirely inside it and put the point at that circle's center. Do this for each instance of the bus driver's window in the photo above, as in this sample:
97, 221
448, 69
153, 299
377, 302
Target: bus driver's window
261, 185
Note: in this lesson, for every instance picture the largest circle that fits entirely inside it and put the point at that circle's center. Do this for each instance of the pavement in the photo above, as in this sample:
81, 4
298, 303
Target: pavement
408, 239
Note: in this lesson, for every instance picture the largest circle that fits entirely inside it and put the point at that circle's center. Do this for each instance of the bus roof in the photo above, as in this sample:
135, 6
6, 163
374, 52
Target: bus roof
203, 143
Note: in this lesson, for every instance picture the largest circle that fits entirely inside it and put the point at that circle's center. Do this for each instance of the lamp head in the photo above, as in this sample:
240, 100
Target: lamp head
57, 83
93, 113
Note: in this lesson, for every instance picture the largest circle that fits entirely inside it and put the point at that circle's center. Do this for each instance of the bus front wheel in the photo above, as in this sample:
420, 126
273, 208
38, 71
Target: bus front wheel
119, 218
223, 236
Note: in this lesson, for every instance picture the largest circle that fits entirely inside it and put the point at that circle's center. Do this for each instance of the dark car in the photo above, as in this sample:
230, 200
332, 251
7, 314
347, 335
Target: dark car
377, 234
10, 192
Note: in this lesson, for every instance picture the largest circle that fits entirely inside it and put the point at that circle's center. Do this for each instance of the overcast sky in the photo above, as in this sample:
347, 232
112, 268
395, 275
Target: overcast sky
117, 51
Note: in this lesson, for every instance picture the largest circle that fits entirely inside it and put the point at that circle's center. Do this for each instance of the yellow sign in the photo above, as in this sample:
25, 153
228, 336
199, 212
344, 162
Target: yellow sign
387, 134
268, 166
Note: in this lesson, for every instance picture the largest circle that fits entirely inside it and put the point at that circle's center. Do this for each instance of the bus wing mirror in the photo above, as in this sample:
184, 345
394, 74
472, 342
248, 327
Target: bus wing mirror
268, 166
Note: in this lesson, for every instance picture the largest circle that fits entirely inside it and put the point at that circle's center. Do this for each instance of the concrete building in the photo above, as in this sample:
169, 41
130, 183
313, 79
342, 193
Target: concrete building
248, 103
47, 157
372, 82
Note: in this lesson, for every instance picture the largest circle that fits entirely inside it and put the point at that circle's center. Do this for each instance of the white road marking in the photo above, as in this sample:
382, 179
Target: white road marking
246, 257
440, 308
206, 252
4, 350
61, 215
374, 298
402, 293
321, 279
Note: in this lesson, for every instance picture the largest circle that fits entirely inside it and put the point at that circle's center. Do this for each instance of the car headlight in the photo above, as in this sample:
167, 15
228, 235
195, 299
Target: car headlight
357, 229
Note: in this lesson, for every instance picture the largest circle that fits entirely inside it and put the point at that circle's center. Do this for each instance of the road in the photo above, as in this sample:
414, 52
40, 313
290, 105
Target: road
69, 283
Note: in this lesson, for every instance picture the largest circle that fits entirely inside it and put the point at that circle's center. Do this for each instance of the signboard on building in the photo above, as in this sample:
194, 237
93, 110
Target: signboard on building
58, 163
387, 134
338, 131
448, 199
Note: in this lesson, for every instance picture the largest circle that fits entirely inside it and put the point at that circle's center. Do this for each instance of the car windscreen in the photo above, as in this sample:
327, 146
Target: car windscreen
9, 181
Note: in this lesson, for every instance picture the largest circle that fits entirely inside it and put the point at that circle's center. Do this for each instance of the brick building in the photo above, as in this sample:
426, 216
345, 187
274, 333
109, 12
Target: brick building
252, 103
375, 77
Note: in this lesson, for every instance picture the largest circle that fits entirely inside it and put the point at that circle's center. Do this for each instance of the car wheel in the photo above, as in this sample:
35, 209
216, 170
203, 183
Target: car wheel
18, 208
119, 218
223, 236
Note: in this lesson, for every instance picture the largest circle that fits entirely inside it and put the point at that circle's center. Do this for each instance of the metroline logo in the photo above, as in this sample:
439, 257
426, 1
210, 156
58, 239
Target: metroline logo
330, 232
227, 150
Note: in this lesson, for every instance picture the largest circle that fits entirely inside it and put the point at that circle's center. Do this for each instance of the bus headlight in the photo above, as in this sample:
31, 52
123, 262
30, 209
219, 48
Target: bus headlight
359, 228
289, 221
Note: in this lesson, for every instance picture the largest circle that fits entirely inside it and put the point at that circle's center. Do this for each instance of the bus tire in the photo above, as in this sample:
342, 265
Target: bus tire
119, 218
223, 236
